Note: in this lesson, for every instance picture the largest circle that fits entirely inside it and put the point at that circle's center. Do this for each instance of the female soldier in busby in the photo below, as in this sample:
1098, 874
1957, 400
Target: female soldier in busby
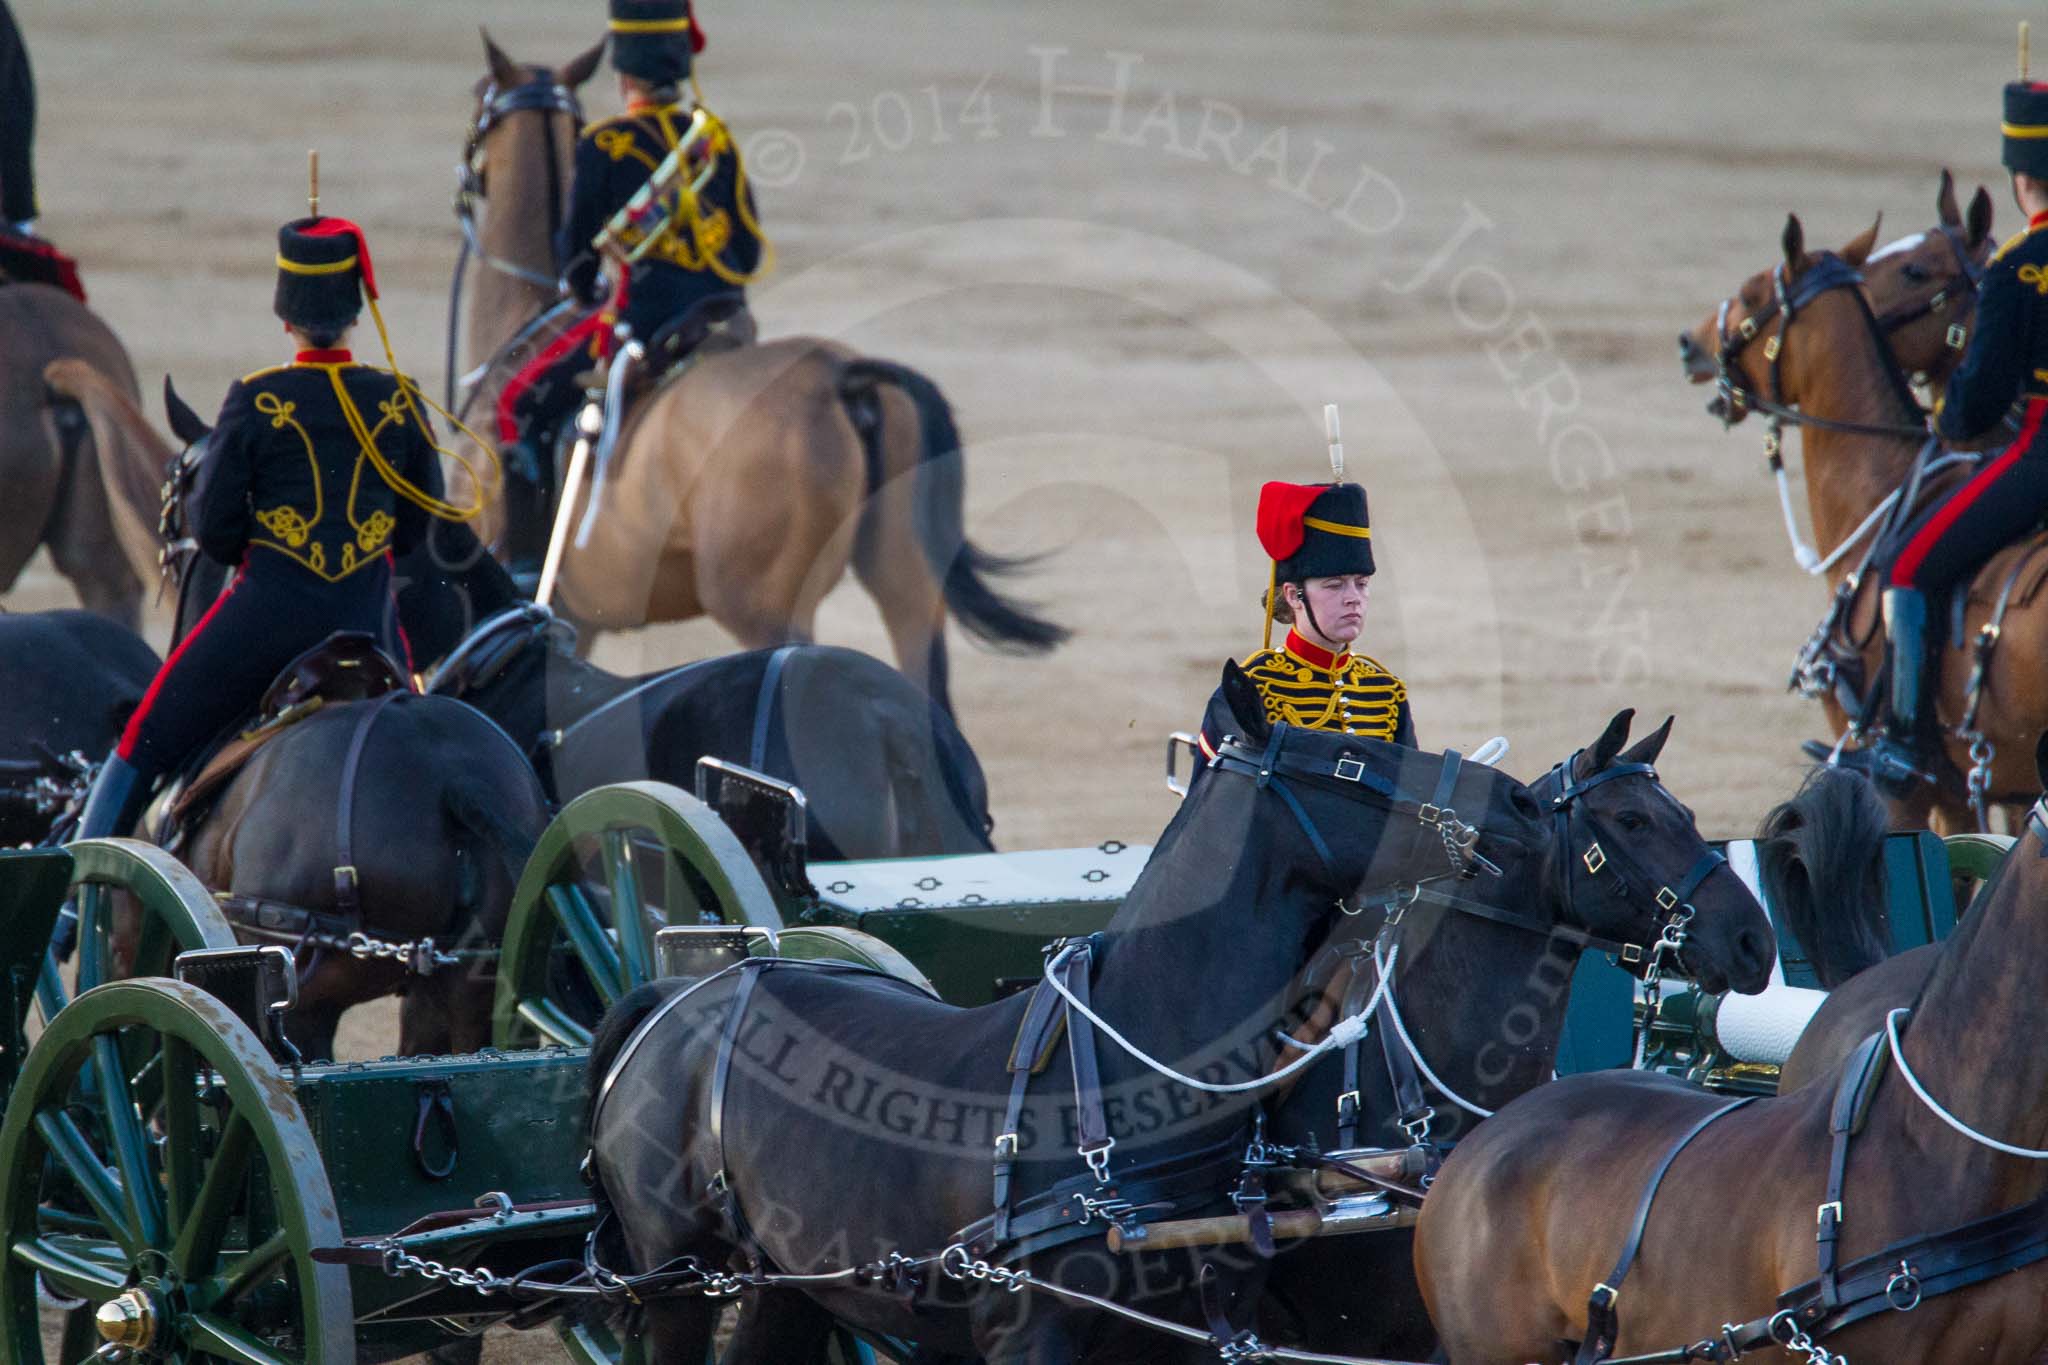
1320, 541
708, 252
2006, 363
316, 473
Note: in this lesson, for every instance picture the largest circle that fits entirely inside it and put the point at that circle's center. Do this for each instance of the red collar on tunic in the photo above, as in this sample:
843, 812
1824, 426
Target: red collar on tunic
1314, 654
338, 356
2038, 219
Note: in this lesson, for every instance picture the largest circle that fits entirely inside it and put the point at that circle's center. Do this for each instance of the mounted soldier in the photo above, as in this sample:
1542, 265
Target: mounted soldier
1319, 539
2003, 379
317, 472
690, 278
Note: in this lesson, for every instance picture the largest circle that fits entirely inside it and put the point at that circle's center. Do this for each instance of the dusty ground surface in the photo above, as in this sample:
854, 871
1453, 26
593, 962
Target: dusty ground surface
1140, 244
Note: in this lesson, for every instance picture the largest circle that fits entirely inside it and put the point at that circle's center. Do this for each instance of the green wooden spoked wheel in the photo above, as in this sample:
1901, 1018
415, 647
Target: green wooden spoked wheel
183, 1202
617, 864
138, 907
1972, 861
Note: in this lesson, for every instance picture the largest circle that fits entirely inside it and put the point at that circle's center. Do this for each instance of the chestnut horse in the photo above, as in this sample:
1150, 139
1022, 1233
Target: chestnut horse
1859, 438
1530, 1212
745, 486
55, 496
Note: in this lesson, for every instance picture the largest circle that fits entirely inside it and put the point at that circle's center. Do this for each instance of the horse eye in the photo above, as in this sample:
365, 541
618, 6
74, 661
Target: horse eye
1916, 273
1631, 821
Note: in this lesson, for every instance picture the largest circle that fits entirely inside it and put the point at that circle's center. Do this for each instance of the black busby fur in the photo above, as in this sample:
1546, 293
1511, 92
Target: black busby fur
658, 58
1329, 554
317, 303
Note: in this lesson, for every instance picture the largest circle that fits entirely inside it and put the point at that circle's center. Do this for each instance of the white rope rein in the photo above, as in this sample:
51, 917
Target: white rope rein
1344, 1032
1809, 558
1386, 971
1891, 1028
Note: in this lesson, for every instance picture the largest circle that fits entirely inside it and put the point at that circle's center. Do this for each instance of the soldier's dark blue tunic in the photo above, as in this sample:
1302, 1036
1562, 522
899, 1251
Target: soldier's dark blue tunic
2007, 363
288, 494
614, 158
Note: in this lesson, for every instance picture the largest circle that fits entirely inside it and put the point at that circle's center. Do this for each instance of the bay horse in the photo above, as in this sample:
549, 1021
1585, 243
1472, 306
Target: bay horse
885, 770
1528, 1215
441, 814
865, 1118
55, 493
1858, 445
747, 484
1485, 1002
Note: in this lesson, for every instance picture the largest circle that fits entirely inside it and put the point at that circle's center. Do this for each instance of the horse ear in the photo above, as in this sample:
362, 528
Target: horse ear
505, 73
1649, 746
1979, 224
1604, 749
1794, 242
580, 69
186, 424
1859, 248
1945, 201
1247, 707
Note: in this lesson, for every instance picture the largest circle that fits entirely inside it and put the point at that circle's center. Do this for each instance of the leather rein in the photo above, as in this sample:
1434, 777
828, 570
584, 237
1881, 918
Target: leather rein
545, 95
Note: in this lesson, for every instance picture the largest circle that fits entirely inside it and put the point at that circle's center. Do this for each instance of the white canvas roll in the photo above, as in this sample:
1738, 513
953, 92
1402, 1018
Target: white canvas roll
1764, 1028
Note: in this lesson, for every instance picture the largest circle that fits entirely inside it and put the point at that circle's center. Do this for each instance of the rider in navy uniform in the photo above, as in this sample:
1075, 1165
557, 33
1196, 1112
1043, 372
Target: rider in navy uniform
1320, 541
2006, 364
702, 260
317, 472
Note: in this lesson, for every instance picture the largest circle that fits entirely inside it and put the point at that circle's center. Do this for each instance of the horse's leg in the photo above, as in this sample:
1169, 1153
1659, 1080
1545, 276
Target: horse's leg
890, 556
311, 1030
1023, 1329
679, 1330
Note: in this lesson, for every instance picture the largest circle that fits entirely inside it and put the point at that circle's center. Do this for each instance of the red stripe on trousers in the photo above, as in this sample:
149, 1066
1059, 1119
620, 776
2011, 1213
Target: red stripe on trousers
1922, 544
126, 748
516, 387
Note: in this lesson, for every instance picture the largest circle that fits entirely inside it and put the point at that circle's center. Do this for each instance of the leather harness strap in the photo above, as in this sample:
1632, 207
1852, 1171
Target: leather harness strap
766, 703
348, 899
1866, 1067
1603, 1325
721, 1073
1045, 1016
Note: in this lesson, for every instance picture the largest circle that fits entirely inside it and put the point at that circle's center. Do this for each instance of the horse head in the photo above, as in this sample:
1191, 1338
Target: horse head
1923, 288
1745, 344
521, 145
1632, 868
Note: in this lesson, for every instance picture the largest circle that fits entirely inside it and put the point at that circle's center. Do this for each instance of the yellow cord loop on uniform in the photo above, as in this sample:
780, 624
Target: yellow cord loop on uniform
1272, 588
703, 249
411, 396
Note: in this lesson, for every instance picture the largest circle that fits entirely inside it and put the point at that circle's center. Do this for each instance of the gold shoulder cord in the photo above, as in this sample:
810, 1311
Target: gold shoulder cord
703, 236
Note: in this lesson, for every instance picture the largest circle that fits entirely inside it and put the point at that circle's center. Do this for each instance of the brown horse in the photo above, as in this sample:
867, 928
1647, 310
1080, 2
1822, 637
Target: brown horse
1835, 367
744, 487
1531, 1211
54, 492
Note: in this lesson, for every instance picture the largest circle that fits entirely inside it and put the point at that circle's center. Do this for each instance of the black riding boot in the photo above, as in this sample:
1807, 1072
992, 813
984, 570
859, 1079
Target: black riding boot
1901, 758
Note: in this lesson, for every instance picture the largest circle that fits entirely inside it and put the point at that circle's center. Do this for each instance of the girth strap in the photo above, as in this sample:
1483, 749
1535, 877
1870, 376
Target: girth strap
1603, 1324
1853, 1098
348, 898
721, 1072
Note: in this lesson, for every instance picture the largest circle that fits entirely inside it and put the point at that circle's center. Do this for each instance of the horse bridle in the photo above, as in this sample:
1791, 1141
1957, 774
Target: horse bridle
544, 95
1274, 768
1585, 841
1968, 280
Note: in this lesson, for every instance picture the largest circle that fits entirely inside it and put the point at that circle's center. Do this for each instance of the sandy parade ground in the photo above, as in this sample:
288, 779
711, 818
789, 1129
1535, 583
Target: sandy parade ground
1139, 244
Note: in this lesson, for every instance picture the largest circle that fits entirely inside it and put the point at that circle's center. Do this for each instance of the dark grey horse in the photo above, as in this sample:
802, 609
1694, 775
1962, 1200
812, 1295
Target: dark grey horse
886, 771
68, 681
1485, 1003
863, 1115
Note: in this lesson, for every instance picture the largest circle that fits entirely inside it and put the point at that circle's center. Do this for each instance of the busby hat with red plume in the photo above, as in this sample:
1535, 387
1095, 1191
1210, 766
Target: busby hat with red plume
323, 269
654, 40
1317, 530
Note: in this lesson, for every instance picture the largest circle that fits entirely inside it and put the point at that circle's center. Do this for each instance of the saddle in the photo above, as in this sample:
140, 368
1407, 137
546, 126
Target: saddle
31, 260
346, 666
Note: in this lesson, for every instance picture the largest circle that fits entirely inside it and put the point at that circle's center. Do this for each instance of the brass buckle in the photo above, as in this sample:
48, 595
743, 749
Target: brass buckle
1594, 857
1606, 1294
1006, 1146
1748, 328
1353, 1098
1632, 953
1820, 1215
1350, 770
1771, 348
1958, 336
1430, 814
1667, 899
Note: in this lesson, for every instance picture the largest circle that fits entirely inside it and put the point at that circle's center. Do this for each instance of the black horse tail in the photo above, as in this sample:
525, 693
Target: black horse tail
618, 1025
472, 804
963, 567
1822, 858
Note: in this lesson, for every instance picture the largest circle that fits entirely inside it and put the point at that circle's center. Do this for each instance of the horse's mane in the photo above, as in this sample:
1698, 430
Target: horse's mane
1821, 855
